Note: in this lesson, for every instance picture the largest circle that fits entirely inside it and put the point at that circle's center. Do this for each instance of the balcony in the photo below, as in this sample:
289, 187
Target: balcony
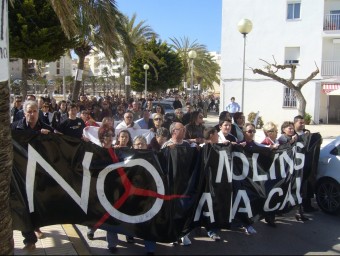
330, 68
331, 22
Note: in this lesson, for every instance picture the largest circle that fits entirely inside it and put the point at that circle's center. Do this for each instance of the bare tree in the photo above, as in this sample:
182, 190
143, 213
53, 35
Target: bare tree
270, 70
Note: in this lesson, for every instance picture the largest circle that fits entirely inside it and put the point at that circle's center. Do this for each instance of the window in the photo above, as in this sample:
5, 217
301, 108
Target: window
289, 98
293, 11
292, 55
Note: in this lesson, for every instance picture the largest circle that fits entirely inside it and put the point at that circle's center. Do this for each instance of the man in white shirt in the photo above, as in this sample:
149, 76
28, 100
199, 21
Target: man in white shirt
233, 107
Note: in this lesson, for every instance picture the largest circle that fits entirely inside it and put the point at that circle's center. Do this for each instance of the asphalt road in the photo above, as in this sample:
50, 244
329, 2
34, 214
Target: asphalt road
318, 236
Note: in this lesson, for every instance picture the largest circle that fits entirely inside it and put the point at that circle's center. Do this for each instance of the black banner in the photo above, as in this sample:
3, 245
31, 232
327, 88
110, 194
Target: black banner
58, 179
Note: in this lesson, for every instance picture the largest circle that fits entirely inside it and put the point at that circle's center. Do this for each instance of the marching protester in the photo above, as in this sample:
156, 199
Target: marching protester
145, 122
289, 136
139, 142
128, 122
157, 122
307, 187
17, 106
161, 136
47, 114
186, 116
237, 128
73, 126
177, 131
194, 130
59, 115
123, 140
224, 135
270, 130
287, 133
178, 115
30, 123
159, 110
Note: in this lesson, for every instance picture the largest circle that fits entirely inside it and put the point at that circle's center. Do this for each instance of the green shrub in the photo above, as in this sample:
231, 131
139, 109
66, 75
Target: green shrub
251, 118
308, 118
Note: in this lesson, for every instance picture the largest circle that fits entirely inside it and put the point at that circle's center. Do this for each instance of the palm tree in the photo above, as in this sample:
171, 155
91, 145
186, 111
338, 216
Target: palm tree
206, 70
95, 24
137, 35
6, 234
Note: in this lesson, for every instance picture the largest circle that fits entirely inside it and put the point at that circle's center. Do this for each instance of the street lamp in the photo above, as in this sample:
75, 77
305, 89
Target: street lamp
192, 55
244, 27
146, 67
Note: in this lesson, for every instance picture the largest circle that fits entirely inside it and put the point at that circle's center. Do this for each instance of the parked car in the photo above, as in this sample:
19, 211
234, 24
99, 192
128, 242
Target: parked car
328, 178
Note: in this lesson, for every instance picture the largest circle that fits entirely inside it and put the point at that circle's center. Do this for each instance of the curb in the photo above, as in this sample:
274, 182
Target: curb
79, 244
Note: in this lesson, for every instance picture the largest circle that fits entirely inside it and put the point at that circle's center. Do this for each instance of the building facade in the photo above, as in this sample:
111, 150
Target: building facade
301, 32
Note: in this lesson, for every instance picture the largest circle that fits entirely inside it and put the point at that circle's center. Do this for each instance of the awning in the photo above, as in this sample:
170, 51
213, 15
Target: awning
335, 92
327, 88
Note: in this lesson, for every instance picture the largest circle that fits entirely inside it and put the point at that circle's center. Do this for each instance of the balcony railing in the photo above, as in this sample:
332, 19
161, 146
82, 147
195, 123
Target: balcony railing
330, 68
331, 22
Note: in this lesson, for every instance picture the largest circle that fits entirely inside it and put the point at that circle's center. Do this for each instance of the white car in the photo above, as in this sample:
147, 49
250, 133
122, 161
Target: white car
328, 178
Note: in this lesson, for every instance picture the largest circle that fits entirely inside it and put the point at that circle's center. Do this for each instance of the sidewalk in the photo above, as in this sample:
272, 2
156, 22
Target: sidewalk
57, 240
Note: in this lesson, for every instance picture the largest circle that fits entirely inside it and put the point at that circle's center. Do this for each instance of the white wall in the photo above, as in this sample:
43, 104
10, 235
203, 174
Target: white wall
270, 35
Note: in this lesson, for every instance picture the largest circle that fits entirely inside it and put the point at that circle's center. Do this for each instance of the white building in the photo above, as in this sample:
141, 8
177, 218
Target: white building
305, 32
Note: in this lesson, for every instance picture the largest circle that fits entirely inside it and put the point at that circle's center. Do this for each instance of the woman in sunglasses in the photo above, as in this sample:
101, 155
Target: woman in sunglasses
157, 122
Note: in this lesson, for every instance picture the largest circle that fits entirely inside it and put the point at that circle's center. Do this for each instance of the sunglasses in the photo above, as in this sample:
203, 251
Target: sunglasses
251, 131
157, 119
272, 131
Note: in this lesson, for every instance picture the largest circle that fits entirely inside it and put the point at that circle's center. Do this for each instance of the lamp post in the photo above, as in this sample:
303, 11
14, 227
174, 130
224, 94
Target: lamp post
244, 27
64, 82
146, 67
192, 55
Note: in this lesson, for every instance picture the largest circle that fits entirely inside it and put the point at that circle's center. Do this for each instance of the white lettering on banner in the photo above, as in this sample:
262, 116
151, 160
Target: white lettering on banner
242, 194
205, 198
4, 61
299, 156
245, 166
284, 158
34, 157
157, 205
270, 195
288, 198
256, 176
272, 168
223, 161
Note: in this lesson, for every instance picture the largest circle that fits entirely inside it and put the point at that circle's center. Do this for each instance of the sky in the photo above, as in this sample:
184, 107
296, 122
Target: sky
199, 20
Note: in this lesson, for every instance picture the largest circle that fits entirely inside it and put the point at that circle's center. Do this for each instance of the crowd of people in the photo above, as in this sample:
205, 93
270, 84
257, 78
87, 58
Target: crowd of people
183, 128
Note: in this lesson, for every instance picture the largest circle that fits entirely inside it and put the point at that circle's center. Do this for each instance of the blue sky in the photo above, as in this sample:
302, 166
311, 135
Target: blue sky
196, 19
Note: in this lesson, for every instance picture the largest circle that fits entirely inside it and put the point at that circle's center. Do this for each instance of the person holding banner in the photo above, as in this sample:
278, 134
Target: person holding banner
237, 128
124, 139
307, 187
224, 135
177, 131
31, 123
106, 134
139, 142
249, 131
194, 130
161, 136
287, 133
270, 131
